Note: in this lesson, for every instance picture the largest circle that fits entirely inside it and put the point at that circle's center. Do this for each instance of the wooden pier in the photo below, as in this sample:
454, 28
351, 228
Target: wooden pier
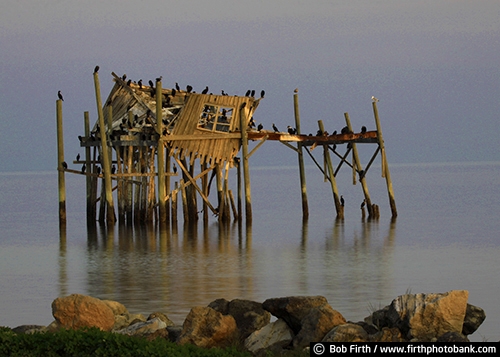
146, 134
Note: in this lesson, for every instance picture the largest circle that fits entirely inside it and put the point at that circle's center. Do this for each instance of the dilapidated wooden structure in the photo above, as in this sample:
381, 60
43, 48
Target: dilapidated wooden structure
146, 134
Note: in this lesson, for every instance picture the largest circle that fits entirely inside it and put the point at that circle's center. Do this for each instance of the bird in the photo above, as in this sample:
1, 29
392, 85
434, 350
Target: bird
140, 83
113, 169
78, 157
291, 130
175, 169
247, 94
222, 92
275, 128
159, 78
64, 165
205, 91
129, 82
363, 129
59, 94
124, 77
98, 169
342, 202
96, 69
177, 86
374, 100
252, 94
262, 93
260, 127
189, 88
363, 203
83, 168
173, 92
151, 84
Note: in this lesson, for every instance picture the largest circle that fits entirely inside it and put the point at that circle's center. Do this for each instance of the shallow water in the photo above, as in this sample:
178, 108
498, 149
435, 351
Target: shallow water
445, 237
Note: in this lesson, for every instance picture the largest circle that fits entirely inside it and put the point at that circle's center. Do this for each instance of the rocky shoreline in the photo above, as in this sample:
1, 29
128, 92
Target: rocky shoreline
297, 321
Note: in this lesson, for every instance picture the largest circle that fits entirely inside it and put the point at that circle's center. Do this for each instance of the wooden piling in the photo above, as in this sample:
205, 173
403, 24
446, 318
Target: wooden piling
162, 205
60, 160
359, 168
338, 207
385, 167
303, 187
91, 212
110, 211
246, 170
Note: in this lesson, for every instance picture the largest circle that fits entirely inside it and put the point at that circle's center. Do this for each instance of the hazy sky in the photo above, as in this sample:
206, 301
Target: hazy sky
434, 65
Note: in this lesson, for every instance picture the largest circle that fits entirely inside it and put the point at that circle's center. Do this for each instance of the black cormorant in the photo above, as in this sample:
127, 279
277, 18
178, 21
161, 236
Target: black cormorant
205, 91
59, 94
342, 202
189, 88
64, 165
177, 86
275, 128
96, 69
252, 94
363, 203
124, 77
260, 127
83, 168
140, 83
78, 157
151, 84
291, 130
247, 94
113, 169
262, 93
363, 129
173, 92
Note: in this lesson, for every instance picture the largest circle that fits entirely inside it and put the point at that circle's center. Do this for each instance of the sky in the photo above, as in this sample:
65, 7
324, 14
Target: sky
434, 65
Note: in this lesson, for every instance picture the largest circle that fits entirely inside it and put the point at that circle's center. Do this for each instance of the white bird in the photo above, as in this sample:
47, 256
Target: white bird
375, 100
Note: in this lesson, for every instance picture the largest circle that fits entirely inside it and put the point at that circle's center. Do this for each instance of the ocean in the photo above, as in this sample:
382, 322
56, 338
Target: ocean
446, 237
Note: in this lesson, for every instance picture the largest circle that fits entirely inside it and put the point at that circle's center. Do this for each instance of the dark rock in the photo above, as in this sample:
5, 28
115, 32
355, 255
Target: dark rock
452, 337
474, 317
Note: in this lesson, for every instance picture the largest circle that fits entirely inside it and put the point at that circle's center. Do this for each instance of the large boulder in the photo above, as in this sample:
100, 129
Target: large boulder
77, 311
249, 315
427, 316
274, 335
316, 324
205, 327
293, 309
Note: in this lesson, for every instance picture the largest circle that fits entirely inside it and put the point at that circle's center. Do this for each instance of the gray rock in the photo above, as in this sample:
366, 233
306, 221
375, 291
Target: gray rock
474, 317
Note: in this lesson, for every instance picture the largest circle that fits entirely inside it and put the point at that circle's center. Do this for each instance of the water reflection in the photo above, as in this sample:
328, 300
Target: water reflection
150, 268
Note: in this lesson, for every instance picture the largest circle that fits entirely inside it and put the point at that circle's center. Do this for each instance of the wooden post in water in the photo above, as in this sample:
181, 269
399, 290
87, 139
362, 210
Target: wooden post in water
303, 187
160, 156
60, 160
359, 168
338, 207
89, 179
246, 171
106, 163
385, 167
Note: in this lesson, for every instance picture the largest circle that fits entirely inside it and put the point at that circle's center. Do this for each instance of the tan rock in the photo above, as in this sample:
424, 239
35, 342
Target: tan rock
205, 327
276, 333
77, 311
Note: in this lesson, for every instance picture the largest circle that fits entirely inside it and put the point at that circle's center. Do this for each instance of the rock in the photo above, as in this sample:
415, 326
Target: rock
274, 334
316, 324
205, 327
474, 317
387, 334
27, 329
77, 311
452, 337
348, 332
249, 315
174, 332
293, 309
162, 317
122, 317
379, 318
426, 316
144, 328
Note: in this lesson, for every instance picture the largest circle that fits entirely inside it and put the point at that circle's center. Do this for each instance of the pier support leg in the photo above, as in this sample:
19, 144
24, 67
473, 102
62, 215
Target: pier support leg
60, 160
303, 187
246, 171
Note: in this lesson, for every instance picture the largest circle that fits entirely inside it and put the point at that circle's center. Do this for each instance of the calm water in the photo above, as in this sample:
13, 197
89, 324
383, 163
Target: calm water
446, 237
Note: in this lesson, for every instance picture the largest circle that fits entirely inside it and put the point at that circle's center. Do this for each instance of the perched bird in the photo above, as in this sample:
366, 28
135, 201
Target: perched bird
83, 168
363, 129
189, 88
252, 94
151, 84
363, 203
260, 127
159, 78
262, 93
222, 92
129, 82
342, 202
140, 83
247, 94
78, 157
124, 77
275, 128
173, 92
113, 169
345, 130
96, 69
374, 100
177, 86
80, 138
59, 94
205, 91
291, 130
64, 165
175, 169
